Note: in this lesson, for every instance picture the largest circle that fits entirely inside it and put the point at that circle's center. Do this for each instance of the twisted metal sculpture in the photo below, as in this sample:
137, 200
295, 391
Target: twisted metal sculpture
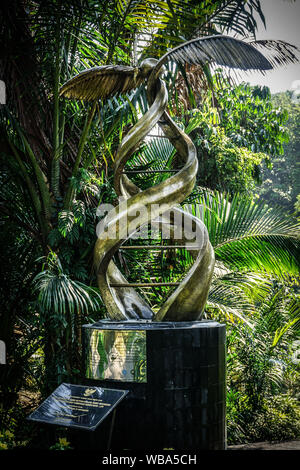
161, 202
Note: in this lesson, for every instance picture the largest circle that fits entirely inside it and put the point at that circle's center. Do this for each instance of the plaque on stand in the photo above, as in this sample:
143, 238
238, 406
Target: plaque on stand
78, 406
176, 375
115, 354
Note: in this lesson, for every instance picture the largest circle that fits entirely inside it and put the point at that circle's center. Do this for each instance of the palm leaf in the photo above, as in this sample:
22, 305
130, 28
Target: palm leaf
186, 20
250, 236
279, 307
273, 255
229, 301
234, 296
291, 324
239, 17
253, 285
59, 294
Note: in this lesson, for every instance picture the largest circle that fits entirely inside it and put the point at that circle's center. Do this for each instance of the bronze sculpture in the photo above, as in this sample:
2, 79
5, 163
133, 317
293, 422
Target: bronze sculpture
187, 302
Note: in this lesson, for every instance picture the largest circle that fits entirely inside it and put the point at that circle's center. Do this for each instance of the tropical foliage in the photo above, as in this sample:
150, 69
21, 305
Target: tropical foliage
240, 132
56, 158
280, 182
262, 400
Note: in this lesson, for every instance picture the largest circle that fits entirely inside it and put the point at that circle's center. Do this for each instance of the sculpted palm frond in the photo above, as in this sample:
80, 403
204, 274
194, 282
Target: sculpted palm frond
217, 50
108, 80
102, 82
278, 52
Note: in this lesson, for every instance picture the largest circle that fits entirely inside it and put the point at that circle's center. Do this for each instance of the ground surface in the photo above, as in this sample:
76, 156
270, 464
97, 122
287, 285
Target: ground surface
289, 445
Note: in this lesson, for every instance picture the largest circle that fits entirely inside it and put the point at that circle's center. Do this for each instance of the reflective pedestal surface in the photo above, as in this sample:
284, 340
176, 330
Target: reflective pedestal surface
175, 373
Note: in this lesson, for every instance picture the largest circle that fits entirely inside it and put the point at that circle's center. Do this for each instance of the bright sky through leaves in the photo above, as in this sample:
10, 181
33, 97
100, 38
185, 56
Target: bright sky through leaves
282, 22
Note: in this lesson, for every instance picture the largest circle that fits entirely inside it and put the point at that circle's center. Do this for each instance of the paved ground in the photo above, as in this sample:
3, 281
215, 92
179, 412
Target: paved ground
289, 445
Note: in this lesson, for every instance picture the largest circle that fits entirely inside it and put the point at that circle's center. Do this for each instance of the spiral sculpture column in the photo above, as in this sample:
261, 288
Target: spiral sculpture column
156, 203
188, 300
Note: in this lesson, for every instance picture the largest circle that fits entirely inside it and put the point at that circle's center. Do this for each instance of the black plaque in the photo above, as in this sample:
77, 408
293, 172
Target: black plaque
78, 406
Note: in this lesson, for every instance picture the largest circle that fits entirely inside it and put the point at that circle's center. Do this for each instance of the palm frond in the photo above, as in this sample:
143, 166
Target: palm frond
271, 255
234, 296
59, 294
280, 308
250, 236
252, 284
229, 302
158, 150
184, 20
280, 332
238, 17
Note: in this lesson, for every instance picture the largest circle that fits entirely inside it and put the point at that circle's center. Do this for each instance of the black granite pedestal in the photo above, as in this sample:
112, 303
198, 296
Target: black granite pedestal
175, 375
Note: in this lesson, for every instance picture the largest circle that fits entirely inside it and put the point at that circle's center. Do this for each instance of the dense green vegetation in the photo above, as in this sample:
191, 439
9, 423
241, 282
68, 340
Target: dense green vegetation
280, 184
240, 133
56, 168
